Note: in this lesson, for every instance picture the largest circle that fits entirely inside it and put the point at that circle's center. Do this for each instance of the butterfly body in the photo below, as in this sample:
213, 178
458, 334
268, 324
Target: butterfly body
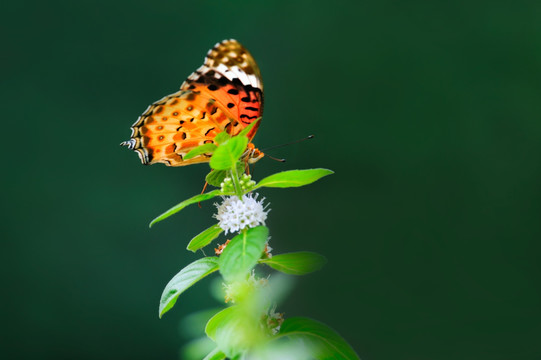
224, 94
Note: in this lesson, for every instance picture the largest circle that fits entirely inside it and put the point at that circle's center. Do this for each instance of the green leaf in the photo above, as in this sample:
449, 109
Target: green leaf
226, 155
215, 177
184, 279
216, 354
242, 253
222, 137
202, 149
182, 205
293, 178
204, 238
226, 329
219, 320
281, 349
297, 263
247, 129
241, 167
322, 341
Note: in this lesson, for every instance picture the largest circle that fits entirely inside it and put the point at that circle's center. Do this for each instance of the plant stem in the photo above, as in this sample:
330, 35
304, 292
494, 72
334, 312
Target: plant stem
236, 181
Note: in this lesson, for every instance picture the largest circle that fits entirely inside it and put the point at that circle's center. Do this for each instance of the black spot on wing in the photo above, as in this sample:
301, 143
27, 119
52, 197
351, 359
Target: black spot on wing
223, 81
248, 117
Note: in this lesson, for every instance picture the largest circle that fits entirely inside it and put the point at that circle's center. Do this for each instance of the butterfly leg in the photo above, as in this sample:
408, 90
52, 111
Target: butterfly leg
202, 191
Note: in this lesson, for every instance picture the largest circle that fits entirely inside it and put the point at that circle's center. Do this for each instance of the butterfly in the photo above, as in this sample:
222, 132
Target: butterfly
224, 94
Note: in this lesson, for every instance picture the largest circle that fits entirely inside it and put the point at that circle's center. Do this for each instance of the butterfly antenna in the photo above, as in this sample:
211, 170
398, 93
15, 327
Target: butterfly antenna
289, 143
275, 159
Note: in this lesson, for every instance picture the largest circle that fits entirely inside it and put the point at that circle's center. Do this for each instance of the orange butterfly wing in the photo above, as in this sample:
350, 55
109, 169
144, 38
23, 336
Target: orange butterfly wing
231, 76
225, 94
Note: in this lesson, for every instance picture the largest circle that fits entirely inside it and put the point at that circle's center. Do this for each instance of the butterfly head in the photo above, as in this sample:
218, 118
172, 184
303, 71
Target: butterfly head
252, 154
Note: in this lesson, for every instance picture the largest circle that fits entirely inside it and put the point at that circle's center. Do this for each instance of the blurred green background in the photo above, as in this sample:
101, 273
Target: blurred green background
428, 112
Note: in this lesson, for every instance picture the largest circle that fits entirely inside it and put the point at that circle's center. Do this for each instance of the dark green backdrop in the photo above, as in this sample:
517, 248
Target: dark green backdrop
429, 112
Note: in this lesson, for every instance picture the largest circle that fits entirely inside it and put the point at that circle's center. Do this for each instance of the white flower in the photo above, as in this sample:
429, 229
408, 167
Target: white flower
235, 215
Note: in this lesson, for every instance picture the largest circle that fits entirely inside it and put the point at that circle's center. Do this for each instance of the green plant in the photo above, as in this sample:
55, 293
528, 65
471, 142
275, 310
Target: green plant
250, 328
